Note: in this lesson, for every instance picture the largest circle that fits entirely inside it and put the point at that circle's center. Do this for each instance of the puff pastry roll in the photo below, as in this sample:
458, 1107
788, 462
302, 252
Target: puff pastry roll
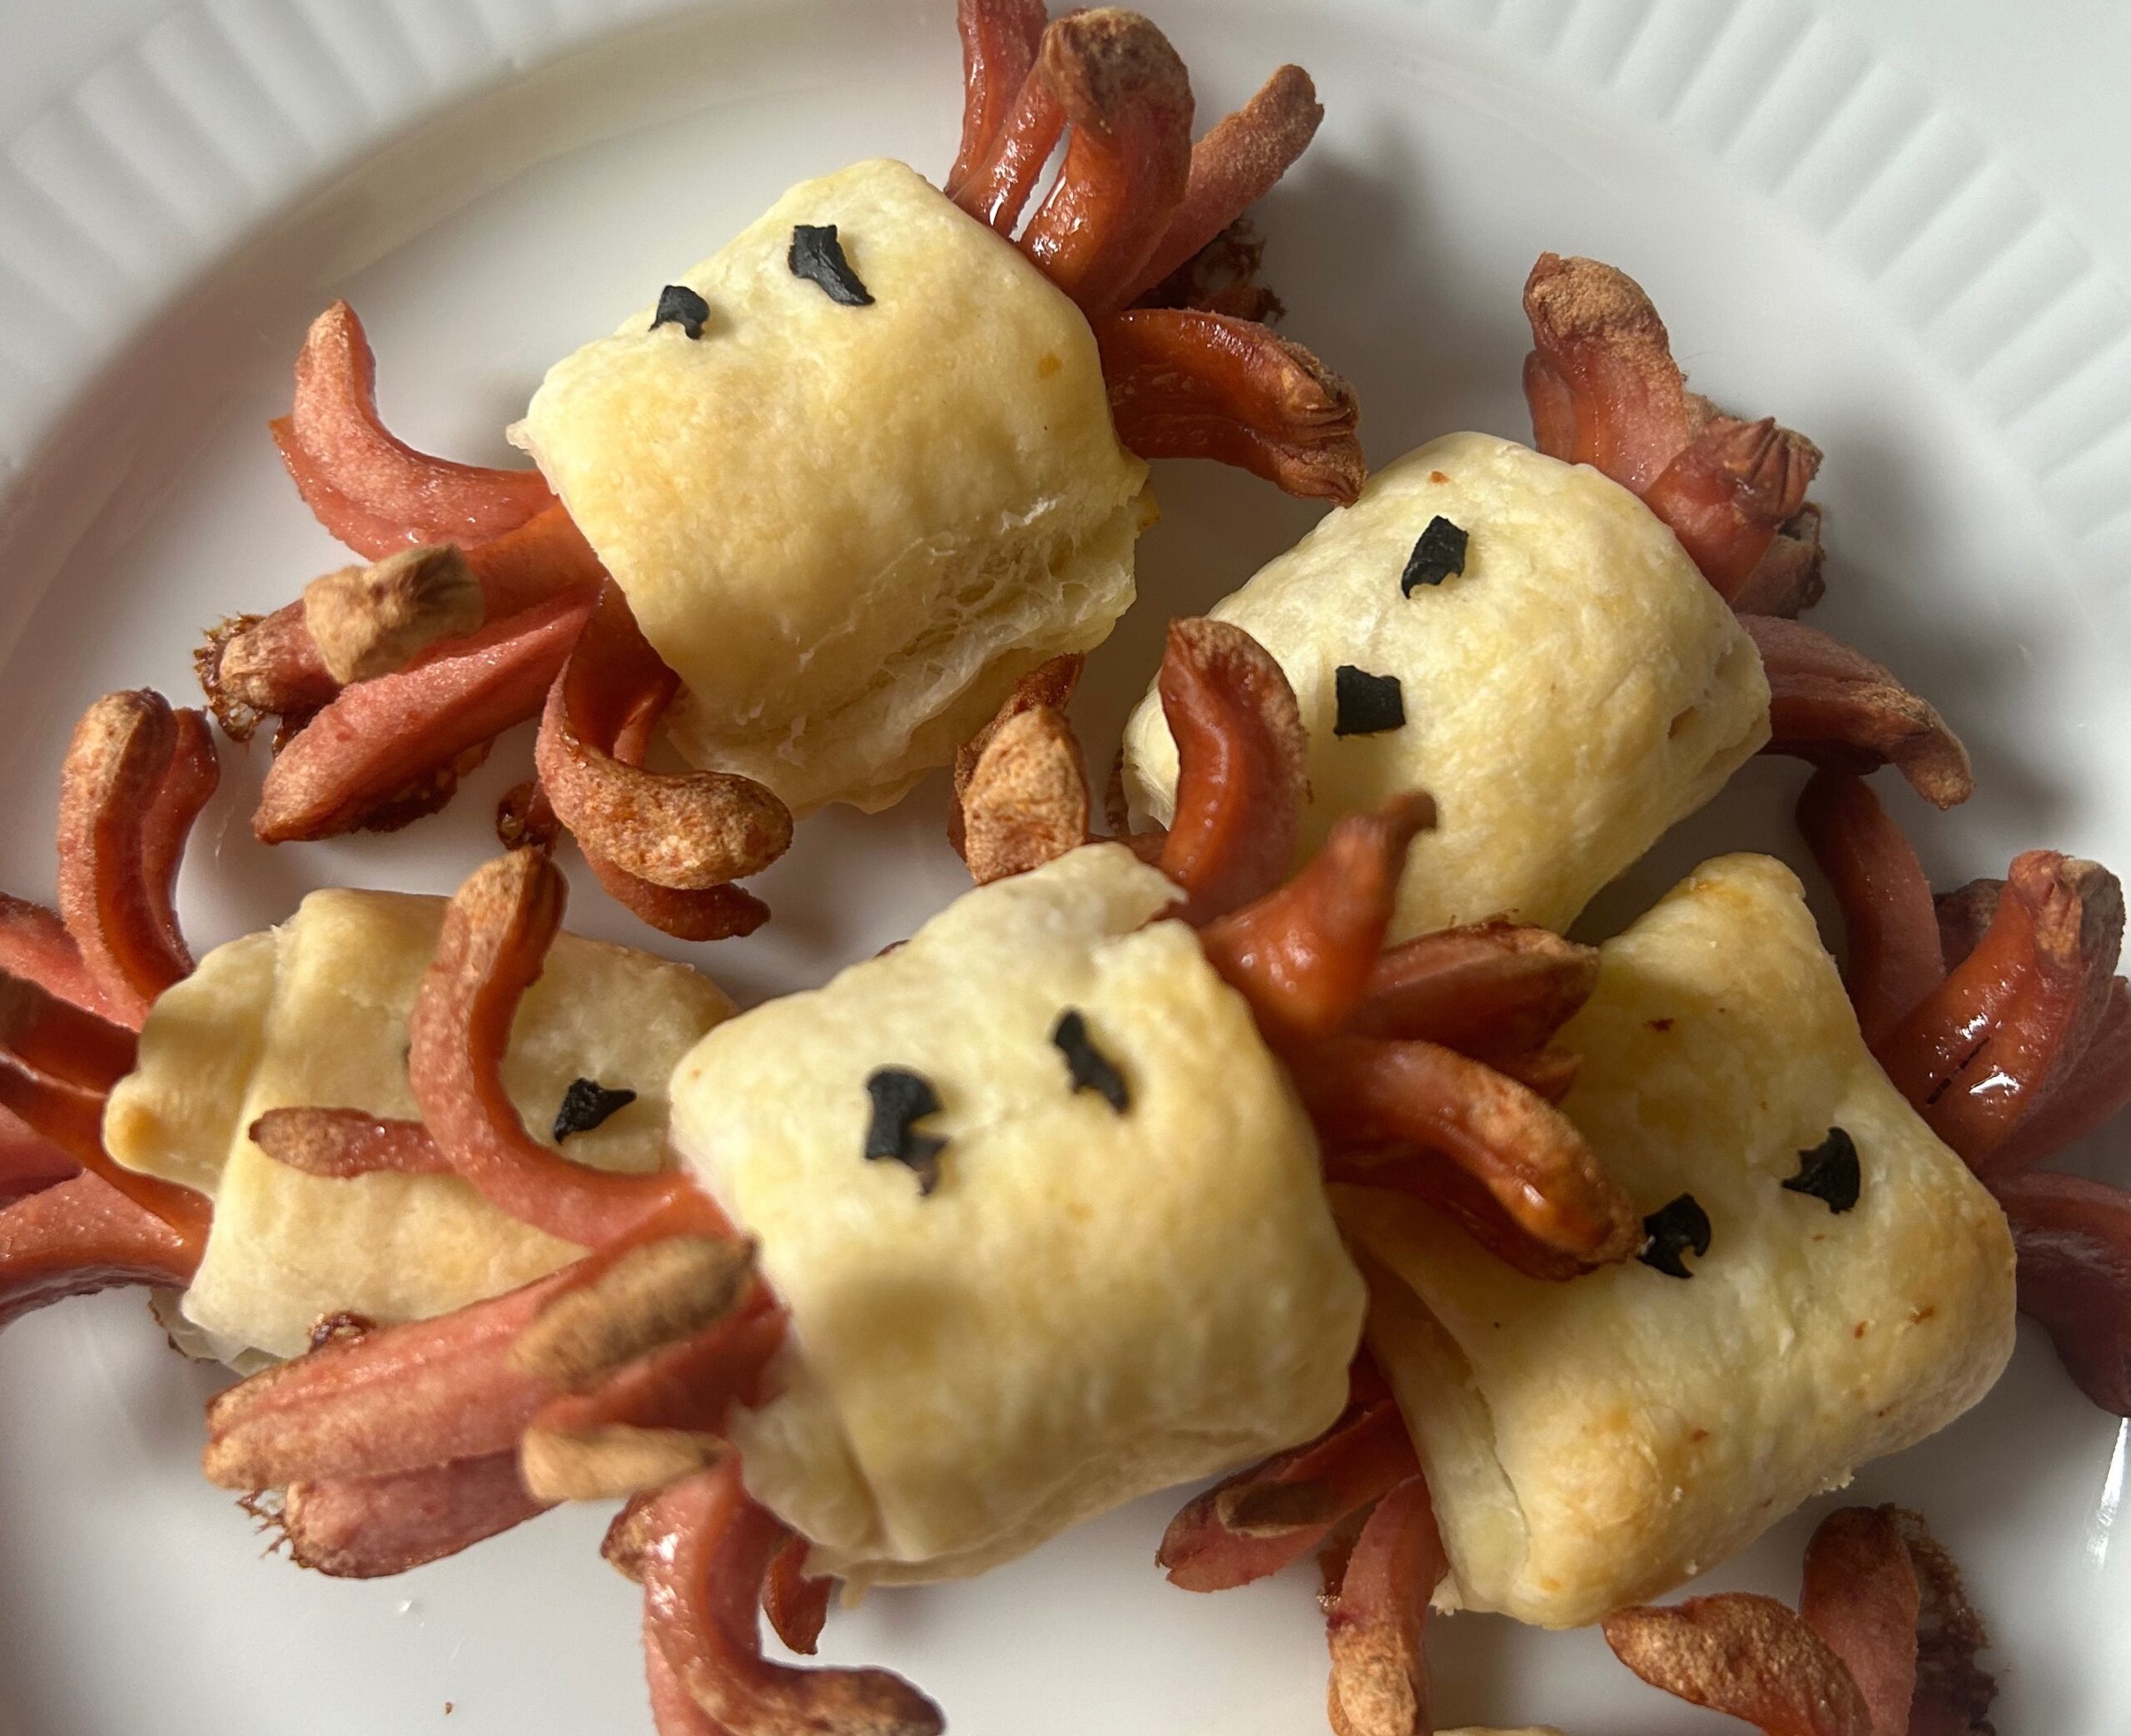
1594, 1443
850, 528
314, 1014
1091, 1302
1571, 693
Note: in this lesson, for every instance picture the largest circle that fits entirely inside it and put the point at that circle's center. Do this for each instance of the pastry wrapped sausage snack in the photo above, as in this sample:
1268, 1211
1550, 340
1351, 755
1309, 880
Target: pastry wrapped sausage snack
848, 529
1567, 695
1594, 1444
1092, 1302
314, 1015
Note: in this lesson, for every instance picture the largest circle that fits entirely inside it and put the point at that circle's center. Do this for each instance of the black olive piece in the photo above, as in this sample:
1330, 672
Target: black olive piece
1674, 1228
585, 1105
1092, 1070
900, 1098
817, 256
1438, 554
680, 305
1830, 1172
1365, 704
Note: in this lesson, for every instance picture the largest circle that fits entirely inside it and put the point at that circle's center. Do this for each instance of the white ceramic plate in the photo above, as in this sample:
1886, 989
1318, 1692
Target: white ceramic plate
493, 181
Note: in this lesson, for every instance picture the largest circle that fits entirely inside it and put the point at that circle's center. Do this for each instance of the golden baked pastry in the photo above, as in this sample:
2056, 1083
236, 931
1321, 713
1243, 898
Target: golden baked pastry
314, 1014
849, 529
1089, 1303
1594, 1443
1571, 693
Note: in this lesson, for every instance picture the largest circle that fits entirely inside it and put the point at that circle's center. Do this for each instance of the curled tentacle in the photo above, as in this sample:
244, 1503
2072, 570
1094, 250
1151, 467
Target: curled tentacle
705, 1552
365, 1528
61, 1040
1000, 40
1861, 1596
673, 1709
795, 1605
711, 913
2073, 1239
1890, 926
1604, 390
2082, 1098
395, 1399
1188, 384
1373, 1623
1365, 1092
35, 946
82, 1235
374, 492
497, 930
2009, 1024
1026, 803
544, 558
125, 750
1730, 491
71, 1119
388, 751
1494, 988
997, 189
1744, 1654
2085, 1095
1243, 767
1601, 381
194, 774
1836, 707
29, 1162
1965, 914
1258, 1520
1234, 166
34, 943
1304, 955
1127, 101
687, 832
1459, 1195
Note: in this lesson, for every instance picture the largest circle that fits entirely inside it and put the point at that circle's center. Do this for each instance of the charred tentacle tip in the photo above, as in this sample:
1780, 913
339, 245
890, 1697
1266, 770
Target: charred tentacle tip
2077, 906
1027, 800
375, 620
1050, 684
1571, 298
120, 747
520, 893
688, 831
1105, 62
233, 677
